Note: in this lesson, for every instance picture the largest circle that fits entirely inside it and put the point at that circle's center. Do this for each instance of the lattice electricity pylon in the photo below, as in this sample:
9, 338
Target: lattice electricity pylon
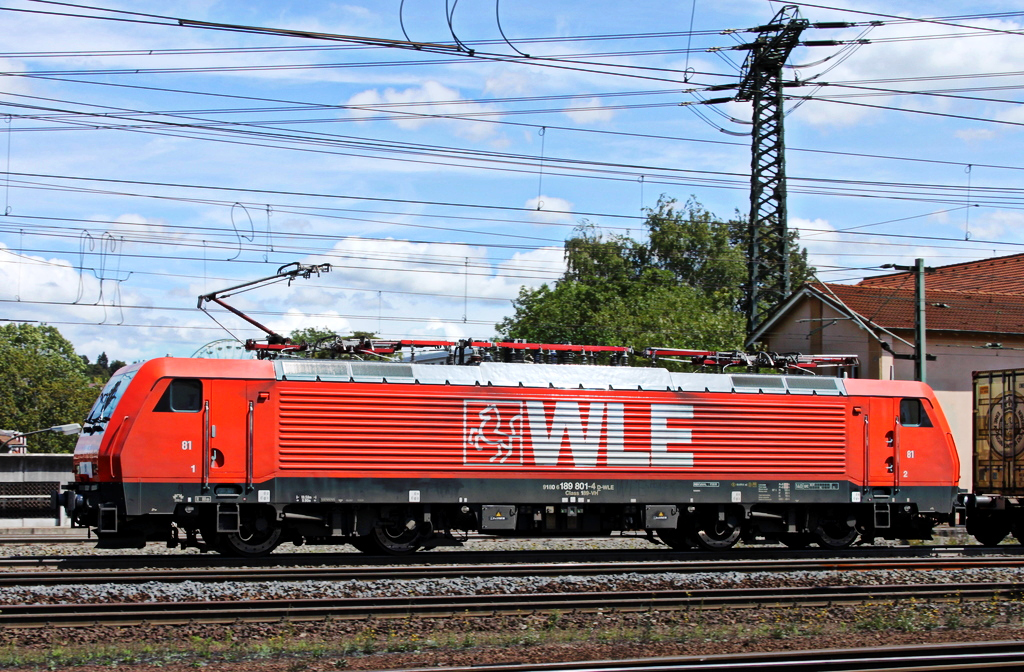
768, 254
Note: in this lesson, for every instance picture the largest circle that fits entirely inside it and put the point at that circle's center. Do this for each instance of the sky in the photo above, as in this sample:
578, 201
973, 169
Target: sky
149, 157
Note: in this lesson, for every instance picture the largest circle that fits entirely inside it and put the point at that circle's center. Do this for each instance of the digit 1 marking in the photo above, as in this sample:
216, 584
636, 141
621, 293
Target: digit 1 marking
193, 468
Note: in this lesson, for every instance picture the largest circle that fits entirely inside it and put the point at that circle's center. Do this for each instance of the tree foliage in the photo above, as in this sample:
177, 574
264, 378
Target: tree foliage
683, 287
321, 338
102, 369
44, 384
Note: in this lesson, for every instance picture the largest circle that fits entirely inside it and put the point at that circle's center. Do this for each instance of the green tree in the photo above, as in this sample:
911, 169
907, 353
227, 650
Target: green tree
800, 270
683, 287
45, 384
322, 338
101, 371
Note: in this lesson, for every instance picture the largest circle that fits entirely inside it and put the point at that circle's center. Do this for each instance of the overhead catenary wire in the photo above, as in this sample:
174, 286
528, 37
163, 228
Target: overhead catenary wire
937, 193
851, 186
593, 131
645, 170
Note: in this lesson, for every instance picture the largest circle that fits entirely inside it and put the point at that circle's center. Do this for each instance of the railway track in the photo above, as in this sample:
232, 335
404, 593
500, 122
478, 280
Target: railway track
921, 658
481, 557
28, 540
22, 577
446, 606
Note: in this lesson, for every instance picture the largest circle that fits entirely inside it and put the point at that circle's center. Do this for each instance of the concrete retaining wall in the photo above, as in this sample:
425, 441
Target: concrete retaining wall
26, 482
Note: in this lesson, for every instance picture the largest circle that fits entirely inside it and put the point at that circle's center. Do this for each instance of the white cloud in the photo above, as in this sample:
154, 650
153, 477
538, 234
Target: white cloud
407, 110
842, 256
416, 289
1004, 225
294, 319
975, 134
588, 111
510, 82
910, 56
437, 268
12, 83
549, 209
1014, 114
90, 308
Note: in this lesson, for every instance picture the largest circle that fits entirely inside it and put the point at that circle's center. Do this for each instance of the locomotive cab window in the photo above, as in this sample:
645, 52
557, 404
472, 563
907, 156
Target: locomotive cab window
183, 395
913, 414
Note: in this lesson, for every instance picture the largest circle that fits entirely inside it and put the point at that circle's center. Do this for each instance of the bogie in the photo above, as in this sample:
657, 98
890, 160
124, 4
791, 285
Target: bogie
258, 534
256, 530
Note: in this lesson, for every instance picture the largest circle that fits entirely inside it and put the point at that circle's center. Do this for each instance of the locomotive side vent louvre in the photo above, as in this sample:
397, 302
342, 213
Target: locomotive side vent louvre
375, 372
812, 383
763, 383
783, 384
343, 371
296, 369
551, 377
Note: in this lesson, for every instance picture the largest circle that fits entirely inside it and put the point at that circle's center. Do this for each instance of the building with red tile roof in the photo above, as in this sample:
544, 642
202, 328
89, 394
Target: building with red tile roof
974, 313
999, 275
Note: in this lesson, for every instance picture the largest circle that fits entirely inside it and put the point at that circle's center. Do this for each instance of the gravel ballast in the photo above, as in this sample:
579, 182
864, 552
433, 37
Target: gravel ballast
374, 644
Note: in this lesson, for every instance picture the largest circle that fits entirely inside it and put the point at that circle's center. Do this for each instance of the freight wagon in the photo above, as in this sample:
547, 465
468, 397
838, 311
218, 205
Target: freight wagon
391, 457
996, 508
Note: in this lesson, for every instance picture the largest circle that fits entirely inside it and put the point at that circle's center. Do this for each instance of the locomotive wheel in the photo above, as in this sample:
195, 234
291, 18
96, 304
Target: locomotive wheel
393, 540
717, 536
258, 536
835, 534
990, 537
364, 545
988, 529
677, 540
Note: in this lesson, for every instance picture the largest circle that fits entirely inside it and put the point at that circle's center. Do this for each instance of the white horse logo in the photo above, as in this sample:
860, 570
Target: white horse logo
503, 435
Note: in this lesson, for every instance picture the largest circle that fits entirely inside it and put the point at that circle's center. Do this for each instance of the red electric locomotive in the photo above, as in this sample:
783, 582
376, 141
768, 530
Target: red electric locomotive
242, 455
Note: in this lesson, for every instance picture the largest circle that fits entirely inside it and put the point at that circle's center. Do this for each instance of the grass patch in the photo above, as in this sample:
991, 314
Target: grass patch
331, 644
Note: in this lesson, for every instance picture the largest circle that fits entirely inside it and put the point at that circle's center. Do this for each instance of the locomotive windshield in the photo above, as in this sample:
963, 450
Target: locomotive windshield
104, 406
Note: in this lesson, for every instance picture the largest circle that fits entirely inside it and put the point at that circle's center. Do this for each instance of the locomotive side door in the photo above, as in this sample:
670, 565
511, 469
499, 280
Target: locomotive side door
881, 470
167, 445
227, 432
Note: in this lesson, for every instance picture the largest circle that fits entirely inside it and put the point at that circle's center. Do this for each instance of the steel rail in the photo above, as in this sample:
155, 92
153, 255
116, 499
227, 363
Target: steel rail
375, 573
29, 540
919, 658
483, 557
353, 608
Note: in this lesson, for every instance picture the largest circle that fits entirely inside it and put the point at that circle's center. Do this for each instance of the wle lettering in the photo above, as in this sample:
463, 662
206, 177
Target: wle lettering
584, 434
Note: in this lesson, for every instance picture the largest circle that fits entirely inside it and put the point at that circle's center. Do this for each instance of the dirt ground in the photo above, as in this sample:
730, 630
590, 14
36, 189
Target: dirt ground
384, 644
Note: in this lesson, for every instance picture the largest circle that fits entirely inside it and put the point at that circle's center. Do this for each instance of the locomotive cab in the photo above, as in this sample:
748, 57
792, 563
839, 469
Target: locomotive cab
154, 450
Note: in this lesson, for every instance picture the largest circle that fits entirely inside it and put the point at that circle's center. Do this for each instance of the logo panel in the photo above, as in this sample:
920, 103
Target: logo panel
1006, 425
493, 432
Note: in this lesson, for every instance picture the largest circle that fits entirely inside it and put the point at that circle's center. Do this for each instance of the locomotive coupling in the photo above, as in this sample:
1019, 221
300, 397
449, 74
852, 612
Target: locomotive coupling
973, 501
69, 500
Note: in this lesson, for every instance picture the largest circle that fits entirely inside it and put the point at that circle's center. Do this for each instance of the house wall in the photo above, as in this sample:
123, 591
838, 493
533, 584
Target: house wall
958, 356
950, 375
812, 328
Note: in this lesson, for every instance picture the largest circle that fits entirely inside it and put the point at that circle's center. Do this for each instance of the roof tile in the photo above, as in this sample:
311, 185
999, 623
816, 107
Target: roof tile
945, 310
999, 275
